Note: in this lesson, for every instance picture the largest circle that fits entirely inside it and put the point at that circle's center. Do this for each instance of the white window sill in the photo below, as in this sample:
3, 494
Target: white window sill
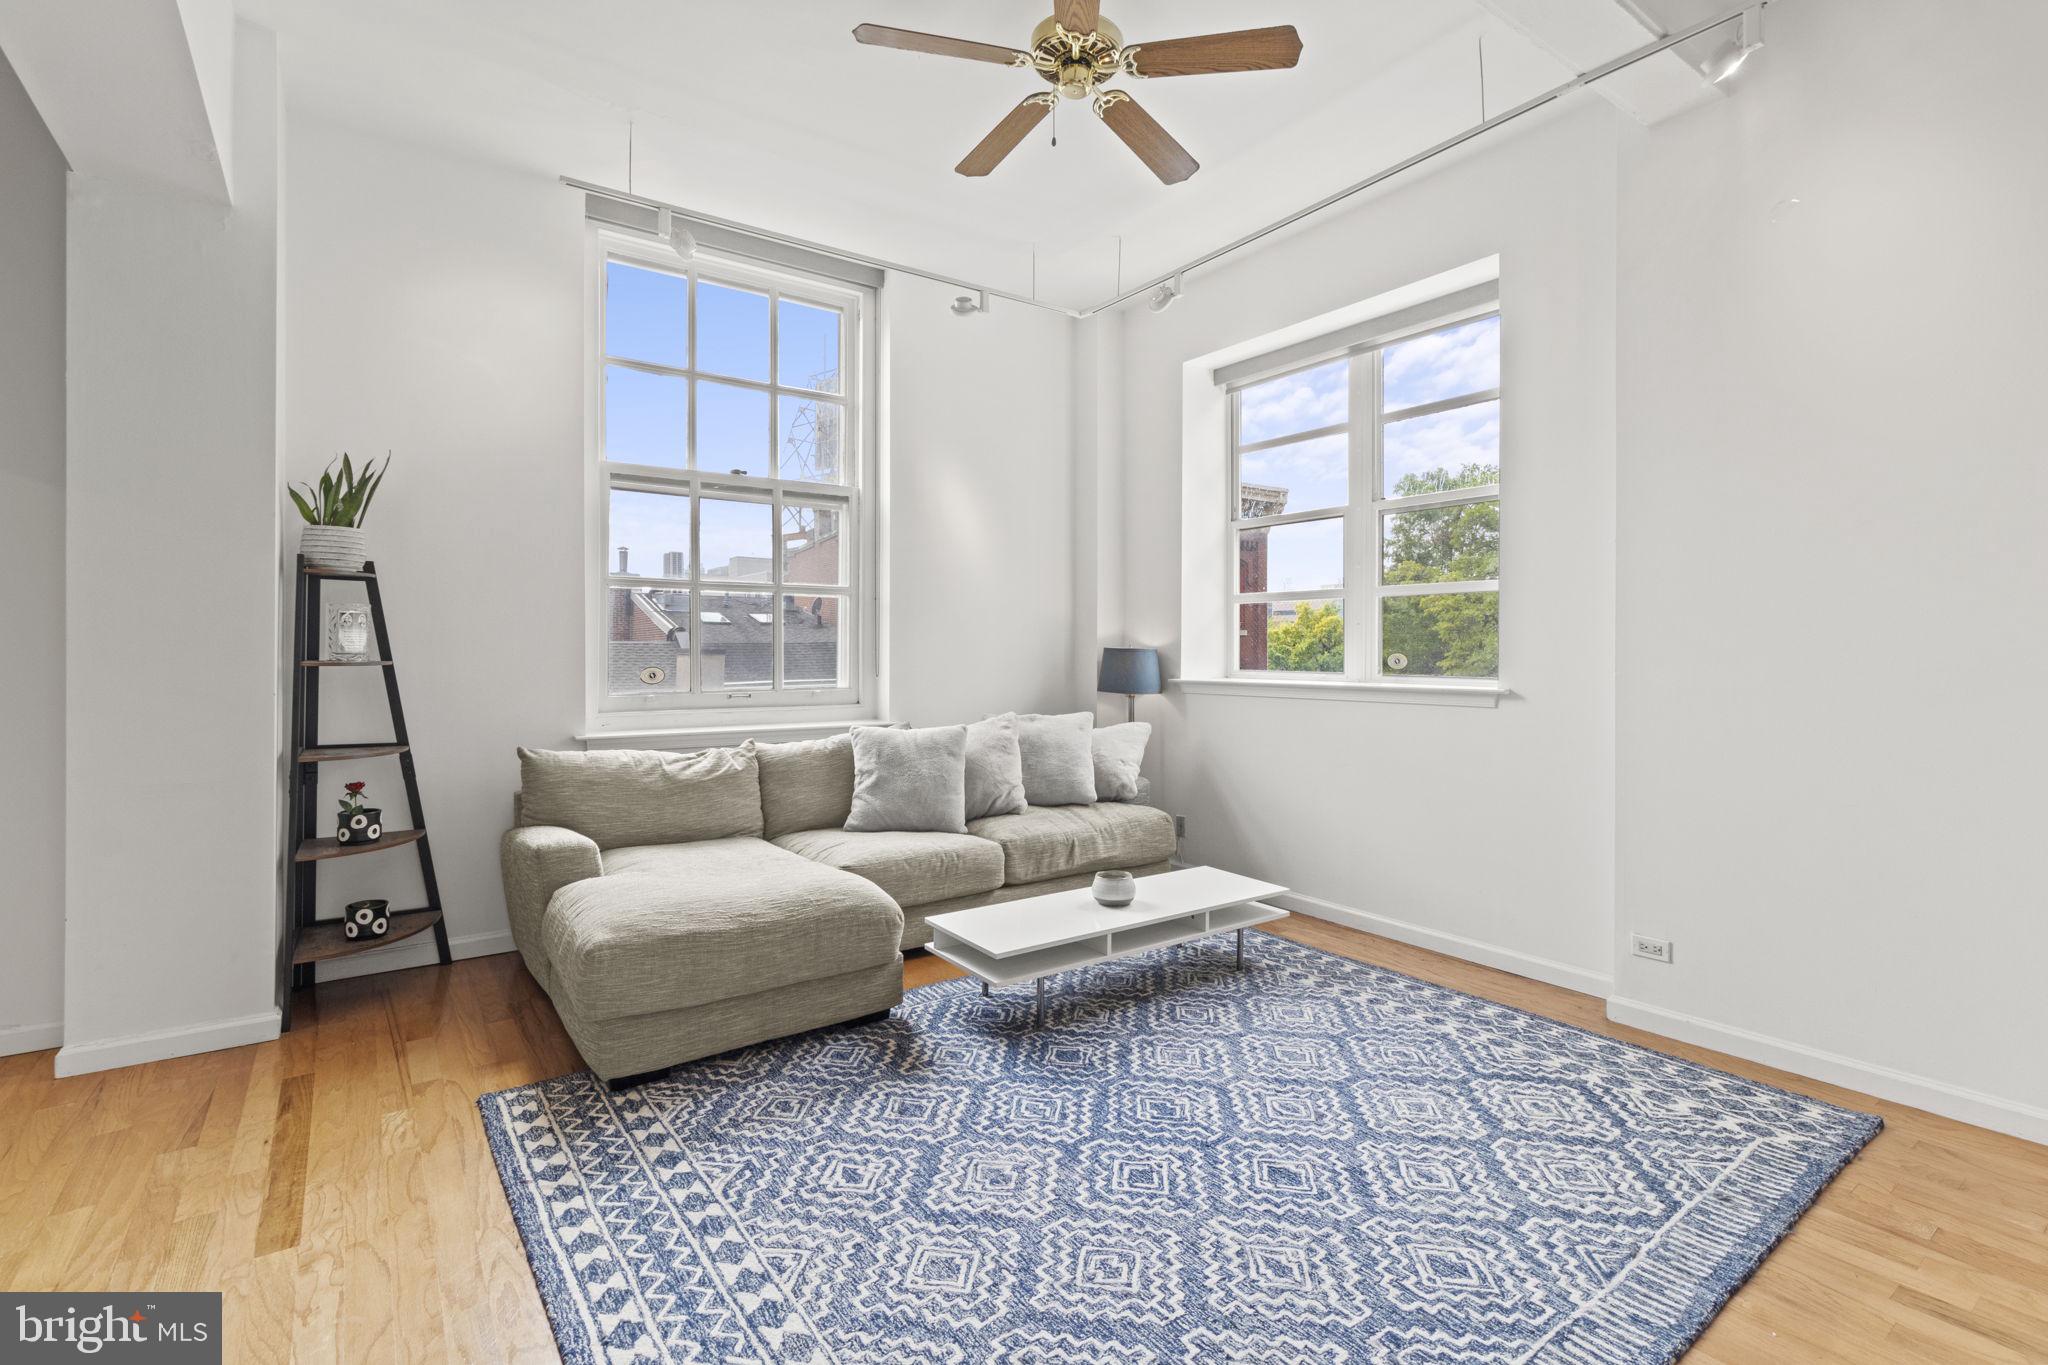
717, 736
1413, 692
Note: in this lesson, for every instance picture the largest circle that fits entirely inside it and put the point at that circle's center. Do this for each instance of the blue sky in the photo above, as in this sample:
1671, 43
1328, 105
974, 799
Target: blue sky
647, 415
1446, 364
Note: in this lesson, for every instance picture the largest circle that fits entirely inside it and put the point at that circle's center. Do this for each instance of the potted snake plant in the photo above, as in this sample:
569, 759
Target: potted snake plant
334, 510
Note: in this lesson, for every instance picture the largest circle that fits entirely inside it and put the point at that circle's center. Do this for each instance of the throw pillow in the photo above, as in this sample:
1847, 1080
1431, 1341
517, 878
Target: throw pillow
1119, 753
620, 798
805, 785
910, 779
995, 768
1059, 768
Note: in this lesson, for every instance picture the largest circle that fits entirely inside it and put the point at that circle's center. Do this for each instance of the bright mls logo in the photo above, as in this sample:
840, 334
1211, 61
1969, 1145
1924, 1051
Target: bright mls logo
168, 1328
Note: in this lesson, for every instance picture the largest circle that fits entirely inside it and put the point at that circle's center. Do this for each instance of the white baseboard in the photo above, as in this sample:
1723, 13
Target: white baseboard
104, 1054
18, 1038
1901, 1087
417, 951
1452, 945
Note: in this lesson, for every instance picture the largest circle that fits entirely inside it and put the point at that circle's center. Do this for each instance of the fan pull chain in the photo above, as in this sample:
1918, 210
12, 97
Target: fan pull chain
1055, 125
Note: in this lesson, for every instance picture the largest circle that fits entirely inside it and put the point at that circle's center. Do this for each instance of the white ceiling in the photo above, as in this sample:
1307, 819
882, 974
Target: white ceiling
795, 126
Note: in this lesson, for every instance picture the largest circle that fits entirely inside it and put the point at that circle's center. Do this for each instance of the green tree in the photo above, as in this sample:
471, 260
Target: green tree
1454, 634
1313, 642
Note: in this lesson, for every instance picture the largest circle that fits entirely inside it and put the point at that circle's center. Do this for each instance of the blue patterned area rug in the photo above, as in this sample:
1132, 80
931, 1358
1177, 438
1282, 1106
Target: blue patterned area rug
1312, 1160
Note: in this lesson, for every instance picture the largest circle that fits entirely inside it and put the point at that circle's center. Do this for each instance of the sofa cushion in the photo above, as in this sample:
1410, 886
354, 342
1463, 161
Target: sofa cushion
805, 785
1119, 752
1059, 767
622, 797
685, 924
1057, 841
910, 779
914, 867
995, 768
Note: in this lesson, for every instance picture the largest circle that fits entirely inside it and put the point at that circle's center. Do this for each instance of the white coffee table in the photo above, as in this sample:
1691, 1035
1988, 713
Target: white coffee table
1029, 939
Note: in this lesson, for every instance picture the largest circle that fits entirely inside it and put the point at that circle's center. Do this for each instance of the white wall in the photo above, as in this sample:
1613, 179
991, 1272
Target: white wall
436, 310
171, 609
31, 572
1831, 575
1483, 831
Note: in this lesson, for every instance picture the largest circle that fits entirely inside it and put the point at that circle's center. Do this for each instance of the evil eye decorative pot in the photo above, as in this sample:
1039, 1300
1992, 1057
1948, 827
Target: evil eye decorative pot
364, 825
1115, 889
366, 919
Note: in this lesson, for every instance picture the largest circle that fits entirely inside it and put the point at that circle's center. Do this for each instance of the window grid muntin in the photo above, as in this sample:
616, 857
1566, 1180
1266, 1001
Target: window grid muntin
770, 490
1366, 432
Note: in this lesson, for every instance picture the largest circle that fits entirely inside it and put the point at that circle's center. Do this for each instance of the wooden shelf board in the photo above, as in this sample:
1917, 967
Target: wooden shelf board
338, 573
318, 850
344, 663
323, 941
334, 753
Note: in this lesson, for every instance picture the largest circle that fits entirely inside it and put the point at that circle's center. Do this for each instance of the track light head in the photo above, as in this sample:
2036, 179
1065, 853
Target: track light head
678, 238
1729, 57
1164, 296
967, 305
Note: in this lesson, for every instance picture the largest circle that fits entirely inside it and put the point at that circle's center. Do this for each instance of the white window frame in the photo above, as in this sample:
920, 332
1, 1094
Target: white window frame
859, 631
1364, 547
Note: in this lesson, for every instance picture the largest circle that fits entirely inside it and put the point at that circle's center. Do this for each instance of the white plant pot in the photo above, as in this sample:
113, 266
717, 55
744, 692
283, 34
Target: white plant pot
333, 547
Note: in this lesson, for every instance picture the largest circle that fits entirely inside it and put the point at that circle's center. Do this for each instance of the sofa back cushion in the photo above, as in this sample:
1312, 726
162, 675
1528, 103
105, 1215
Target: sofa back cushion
910, 779
805, 785
618, 798
1059, 766
995, 768
1119, 752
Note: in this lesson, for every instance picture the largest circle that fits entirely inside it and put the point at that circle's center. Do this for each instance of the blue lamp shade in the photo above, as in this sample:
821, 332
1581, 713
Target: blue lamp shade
1130, 671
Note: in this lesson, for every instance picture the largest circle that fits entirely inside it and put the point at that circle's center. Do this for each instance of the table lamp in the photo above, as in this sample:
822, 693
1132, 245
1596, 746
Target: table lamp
1131, 672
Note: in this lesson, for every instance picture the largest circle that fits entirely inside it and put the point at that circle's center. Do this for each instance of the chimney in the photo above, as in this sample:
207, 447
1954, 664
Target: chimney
622, 559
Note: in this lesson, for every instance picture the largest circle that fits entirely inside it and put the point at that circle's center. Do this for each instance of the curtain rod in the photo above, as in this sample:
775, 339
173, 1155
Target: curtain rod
1456, 140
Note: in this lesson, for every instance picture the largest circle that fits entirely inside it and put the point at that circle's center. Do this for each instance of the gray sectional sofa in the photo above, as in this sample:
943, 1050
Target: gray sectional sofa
679, 905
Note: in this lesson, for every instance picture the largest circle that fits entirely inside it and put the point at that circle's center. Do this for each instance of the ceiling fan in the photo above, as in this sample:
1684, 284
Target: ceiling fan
1080, 52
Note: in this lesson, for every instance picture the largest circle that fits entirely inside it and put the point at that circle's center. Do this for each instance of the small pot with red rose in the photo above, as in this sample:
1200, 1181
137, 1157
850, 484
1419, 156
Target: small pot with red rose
357, 823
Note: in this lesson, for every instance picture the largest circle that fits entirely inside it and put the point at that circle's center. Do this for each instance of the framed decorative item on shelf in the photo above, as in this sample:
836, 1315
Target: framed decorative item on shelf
348, 633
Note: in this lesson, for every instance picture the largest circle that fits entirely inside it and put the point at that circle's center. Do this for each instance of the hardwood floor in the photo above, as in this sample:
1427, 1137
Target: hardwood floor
336, 1185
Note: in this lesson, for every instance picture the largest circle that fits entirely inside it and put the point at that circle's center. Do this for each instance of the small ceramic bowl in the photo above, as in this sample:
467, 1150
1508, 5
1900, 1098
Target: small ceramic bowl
1115, 888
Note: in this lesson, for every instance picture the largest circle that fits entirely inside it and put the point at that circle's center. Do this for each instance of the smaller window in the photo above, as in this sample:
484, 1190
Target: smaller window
713, 618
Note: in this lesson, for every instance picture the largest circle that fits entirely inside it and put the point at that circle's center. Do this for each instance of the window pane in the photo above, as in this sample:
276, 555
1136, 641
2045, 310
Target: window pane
807, 347
647, 641
813, 551
646, 417
732, 331
1304, 476
1290, 637
1441, 544
812, 439
1300, 556
1447, 635
1293, 403
1455, 449
732, 429
650, 534
739, 639
813, 652
1447, 364
736, 540
646, 315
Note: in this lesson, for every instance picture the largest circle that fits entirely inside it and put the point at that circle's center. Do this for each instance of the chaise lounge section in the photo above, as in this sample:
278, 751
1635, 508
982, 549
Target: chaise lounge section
675, 906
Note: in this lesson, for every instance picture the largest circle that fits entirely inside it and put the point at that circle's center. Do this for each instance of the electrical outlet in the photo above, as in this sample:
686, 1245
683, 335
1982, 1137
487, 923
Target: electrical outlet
1655, 949
1180, 827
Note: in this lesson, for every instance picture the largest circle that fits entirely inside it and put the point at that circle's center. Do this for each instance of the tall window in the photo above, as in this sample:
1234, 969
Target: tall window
1367, 510
728, 435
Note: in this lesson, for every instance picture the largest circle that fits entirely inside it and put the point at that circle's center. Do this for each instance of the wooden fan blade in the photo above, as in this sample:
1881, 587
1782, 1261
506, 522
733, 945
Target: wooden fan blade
907, 40
1003, 139
1080, 16
1153, 144
1252, 49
